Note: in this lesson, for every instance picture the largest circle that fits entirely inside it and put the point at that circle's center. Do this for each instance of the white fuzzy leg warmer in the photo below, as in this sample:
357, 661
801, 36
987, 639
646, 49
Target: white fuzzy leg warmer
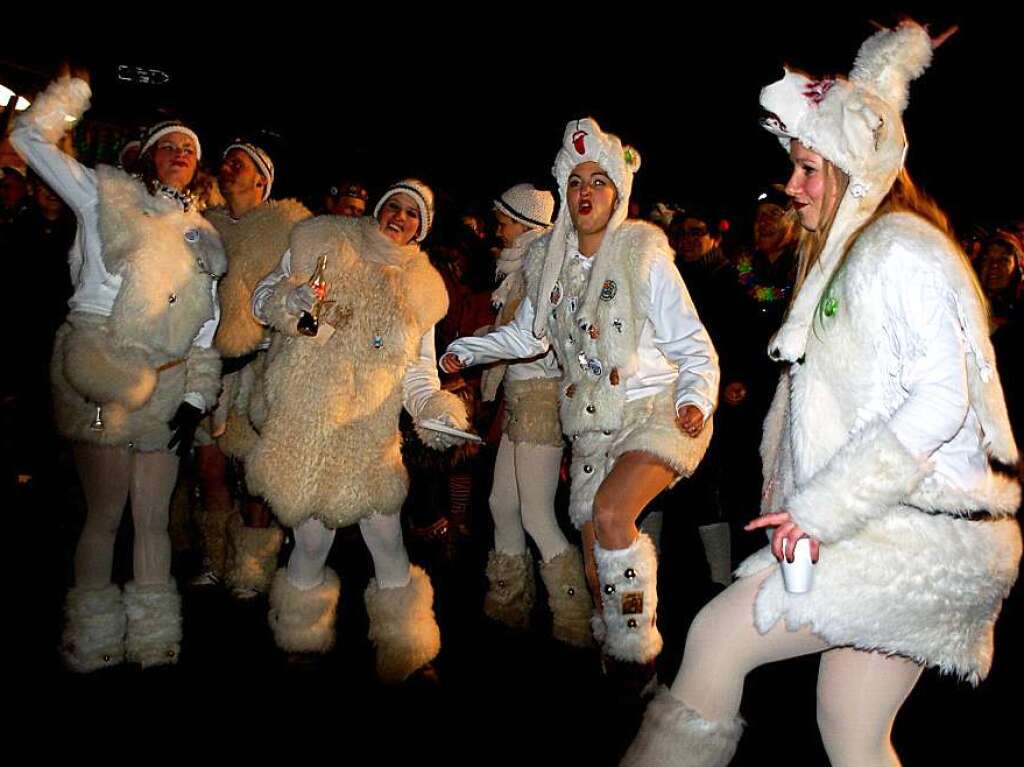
568, 598
402, 626
94, 624
154, 623
674, 734
252, 554
302, 620
629, 596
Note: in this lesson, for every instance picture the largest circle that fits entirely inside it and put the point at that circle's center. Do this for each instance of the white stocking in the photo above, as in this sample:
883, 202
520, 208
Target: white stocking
105, 474
382, 534
308, 558
504, 502
153, 478
859, 693
537, 468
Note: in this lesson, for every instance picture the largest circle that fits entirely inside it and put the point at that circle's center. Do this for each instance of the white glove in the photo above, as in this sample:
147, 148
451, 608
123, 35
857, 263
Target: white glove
449, 410
300, 299
439, 440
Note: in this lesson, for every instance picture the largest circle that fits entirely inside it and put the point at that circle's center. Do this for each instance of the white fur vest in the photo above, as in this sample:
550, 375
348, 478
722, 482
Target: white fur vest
254, 245
330, 445
598, 357
166, 260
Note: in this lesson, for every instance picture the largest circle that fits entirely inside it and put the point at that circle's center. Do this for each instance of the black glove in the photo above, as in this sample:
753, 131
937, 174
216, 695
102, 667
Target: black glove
230, 365
184, 424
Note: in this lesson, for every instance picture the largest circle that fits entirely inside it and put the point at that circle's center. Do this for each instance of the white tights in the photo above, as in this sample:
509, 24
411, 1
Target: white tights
859, 693
523, 498
382, 534
109, 476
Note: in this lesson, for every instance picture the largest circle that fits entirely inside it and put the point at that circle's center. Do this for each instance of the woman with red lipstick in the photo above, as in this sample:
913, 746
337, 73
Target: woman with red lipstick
329, 453
639, 378
133, 369
881, 446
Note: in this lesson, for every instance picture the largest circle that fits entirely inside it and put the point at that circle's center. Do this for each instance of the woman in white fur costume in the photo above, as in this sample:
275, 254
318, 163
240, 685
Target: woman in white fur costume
639, 382
133, 369
529, 458
329, 449
877, 447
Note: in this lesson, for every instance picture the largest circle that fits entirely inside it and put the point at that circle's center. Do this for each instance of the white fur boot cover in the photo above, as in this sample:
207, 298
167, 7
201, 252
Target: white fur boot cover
212, 524
512, 591
402, 626
303, 621
94, 624
568, 598
252, 555
154, 623
629, 596
674, 734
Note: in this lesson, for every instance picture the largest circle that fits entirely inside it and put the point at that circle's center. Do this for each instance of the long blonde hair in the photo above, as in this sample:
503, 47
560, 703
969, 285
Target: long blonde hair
903, 197
811, 244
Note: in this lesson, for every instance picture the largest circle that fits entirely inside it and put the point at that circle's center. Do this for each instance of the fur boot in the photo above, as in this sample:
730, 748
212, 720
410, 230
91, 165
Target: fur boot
93, 628
154, 623
252, 555
303, 621
673, 733
629, 596
402, 626
568, 598
212, 523
512, 591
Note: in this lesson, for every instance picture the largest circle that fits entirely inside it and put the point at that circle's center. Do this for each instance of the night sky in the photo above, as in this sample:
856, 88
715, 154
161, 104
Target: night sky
475, 103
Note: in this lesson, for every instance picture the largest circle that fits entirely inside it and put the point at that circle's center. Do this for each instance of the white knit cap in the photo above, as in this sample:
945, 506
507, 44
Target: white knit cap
161, 129
584, 141
857, 125
423, 196
528, 205
260, 159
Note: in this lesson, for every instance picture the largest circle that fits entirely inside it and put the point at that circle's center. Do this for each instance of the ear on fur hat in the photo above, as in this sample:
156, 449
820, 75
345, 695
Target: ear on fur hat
890, 59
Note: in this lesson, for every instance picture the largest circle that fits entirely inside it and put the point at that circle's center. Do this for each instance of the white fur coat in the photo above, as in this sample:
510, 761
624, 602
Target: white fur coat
865, 446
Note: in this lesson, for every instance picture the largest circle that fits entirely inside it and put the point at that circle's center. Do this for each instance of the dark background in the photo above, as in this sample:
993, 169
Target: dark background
477, 100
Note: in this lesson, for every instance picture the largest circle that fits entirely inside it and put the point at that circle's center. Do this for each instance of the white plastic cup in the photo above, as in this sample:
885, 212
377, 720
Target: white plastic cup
798, 574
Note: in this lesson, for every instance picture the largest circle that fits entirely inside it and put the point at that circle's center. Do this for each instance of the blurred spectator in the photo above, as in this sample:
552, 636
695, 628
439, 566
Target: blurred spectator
346, 198
13, 194
661, 214
1000, 271
128, 154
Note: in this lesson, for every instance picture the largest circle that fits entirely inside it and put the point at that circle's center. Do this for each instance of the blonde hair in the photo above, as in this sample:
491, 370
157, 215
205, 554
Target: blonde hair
903, 197
811, 244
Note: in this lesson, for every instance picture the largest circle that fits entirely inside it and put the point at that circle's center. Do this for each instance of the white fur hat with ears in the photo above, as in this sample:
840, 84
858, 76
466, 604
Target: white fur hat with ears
856, 124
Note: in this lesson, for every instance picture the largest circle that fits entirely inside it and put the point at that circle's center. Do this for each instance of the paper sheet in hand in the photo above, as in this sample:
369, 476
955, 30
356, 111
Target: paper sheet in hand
435, 425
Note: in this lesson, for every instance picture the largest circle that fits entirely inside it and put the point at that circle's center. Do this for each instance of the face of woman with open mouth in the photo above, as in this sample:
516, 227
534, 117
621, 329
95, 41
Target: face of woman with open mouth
591, 197
399, 219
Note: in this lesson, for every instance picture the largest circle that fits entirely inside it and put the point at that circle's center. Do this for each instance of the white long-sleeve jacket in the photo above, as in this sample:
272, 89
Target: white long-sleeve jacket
674, 349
